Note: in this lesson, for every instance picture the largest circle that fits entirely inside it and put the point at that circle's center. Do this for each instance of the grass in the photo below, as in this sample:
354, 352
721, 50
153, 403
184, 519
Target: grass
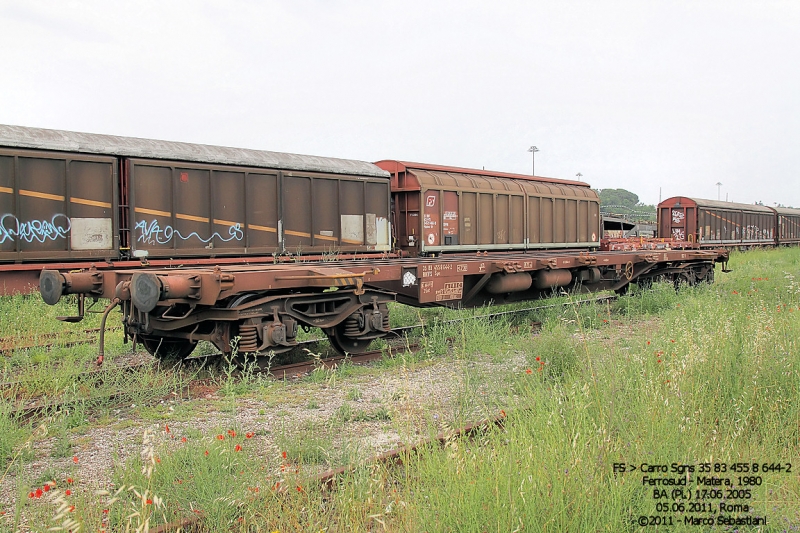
706, 375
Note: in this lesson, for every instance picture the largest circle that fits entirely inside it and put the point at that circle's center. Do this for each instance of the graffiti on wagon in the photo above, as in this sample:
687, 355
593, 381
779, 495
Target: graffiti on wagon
152, 233
12, 229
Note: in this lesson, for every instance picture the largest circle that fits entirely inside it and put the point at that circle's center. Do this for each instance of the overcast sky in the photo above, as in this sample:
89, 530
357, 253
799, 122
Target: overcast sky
643, 95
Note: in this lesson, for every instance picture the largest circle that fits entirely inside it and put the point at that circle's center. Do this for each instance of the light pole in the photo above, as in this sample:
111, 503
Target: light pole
718, 189
533, 151
579, 175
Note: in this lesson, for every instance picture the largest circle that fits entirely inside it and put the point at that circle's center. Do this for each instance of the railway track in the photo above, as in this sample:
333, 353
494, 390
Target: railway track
61, 339
35, 407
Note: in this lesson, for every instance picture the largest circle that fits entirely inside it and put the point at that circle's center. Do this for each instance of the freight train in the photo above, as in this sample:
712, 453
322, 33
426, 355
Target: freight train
697, 223
242, 247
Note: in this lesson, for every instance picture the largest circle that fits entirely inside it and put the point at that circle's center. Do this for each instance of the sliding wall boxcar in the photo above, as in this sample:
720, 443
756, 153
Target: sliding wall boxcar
187, 209
788, 225
714, 223
448, 209
57, 205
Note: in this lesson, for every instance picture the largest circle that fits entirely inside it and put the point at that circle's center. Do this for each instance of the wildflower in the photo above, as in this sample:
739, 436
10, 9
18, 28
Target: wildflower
69, 480
605, 321
220, 437
31, 495
105, 511
237, 448
67, 492
648, 343
158, 460
149, 501
502, 413
75, 459
658, 361
39, 493
249, 435
528, 371
672, 340
734, 292
71, 508
299, 488
538, 358
183, 439
283, 454
206, 452
166, 428
232, 433
46, 487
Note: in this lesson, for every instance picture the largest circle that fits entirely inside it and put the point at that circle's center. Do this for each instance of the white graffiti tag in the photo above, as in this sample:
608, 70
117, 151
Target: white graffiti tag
153, 233
12, 229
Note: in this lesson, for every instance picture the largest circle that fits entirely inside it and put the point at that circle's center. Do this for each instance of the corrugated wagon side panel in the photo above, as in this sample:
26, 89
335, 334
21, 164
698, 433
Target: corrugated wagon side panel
56, 206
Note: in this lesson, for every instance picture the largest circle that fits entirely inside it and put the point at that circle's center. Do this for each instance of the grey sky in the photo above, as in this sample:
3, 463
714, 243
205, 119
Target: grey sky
640, 95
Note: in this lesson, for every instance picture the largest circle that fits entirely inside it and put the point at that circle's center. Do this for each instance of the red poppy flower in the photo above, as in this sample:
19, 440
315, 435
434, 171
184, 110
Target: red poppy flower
149, 501
220, 437
299, 488
183, 439
605, 321
105, 511
528, 371
502, 413
31, 495
283, 454
46, 488
249, 435
75, 459
67, 492
648, 343
39, 493
206, 452
71, 508
166, 428
232, 433
237, 448
538, 358
69, 480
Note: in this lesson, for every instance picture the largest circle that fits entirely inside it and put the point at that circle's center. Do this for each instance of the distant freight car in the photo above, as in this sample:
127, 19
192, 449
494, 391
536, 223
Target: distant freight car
67, 196
711, 224
788, 225
440, 209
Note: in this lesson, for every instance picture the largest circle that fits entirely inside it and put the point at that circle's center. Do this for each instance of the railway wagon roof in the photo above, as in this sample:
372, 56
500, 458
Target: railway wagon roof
716, 204
93, 143
787, 211
404, 166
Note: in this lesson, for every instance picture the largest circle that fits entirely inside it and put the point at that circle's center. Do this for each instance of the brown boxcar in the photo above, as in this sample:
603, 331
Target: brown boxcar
448, 209
788, 225
188, 209
69, 195
56, 206
710, 223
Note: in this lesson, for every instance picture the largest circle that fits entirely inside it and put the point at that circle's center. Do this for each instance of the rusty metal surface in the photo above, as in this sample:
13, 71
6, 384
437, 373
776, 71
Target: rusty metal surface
56, 206
788, 225
92, 143
448, 209
708, 223
399, 167
190, 209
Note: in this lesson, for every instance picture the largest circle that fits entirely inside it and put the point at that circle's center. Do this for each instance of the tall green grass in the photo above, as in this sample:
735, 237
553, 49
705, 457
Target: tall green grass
707, 374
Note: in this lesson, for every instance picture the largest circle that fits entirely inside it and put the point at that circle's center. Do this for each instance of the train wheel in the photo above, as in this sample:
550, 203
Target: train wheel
344, 344
167, 349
